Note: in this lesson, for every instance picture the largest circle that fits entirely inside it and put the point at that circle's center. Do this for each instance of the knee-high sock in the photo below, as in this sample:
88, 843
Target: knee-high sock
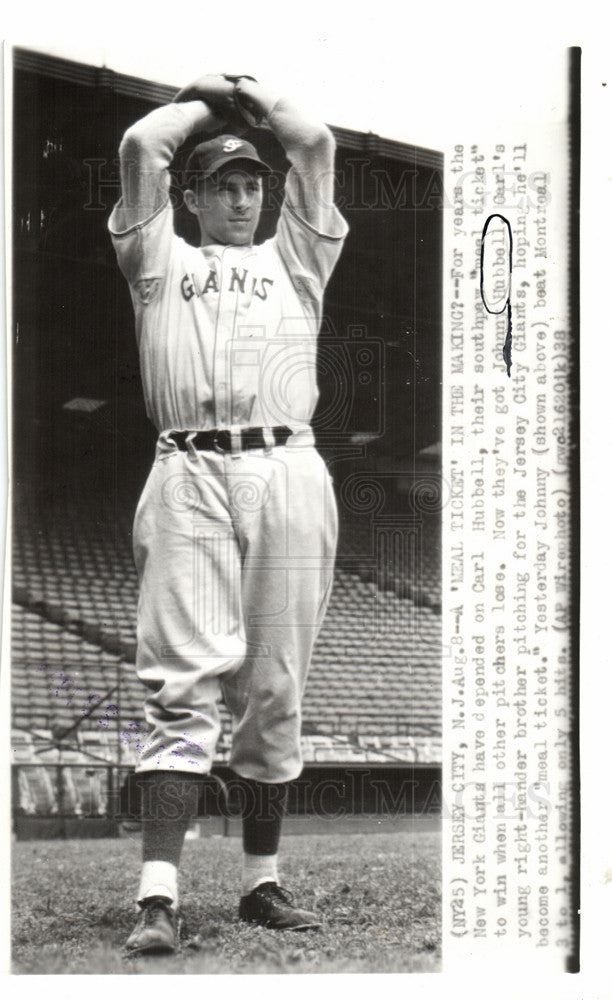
169, 804
262, 818
262, 815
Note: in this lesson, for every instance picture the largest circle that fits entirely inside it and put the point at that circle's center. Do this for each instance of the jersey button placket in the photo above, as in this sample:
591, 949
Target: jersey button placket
223, 335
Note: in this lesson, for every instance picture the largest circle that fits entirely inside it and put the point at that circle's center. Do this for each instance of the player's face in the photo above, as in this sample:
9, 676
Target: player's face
228, 206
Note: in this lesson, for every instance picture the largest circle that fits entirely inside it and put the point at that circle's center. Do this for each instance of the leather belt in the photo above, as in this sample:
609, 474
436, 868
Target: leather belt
221, 440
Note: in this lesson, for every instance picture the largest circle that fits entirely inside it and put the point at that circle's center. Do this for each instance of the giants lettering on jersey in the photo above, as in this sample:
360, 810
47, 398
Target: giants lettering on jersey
237, 282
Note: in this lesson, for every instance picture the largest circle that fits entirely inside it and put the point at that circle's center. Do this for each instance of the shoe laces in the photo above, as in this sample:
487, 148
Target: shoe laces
151, 906
273, 889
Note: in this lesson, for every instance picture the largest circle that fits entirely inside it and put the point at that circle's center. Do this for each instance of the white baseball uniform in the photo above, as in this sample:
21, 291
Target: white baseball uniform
234, 551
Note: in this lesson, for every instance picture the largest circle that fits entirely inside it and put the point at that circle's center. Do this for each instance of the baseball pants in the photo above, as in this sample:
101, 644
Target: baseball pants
235, 556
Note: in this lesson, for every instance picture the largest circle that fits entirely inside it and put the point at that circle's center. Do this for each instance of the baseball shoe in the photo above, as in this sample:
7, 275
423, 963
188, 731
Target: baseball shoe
270, 906
157, 929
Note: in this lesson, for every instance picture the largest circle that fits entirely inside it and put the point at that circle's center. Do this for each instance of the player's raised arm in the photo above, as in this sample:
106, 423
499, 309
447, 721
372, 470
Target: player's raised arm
309, 145
146, 152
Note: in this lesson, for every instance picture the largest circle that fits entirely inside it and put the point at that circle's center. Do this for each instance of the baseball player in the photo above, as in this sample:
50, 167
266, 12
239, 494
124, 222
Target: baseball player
235, 532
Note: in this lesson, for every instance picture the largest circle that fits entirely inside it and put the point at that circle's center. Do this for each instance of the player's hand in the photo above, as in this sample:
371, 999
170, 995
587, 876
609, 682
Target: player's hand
215, 90
250, 101
228, 96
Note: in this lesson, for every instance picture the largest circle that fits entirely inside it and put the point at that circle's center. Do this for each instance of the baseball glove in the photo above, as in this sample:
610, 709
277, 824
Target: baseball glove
221, 92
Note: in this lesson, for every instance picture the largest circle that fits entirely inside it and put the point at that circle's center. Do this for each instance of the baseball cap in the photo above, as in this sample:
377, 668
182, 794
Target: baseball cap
211, 155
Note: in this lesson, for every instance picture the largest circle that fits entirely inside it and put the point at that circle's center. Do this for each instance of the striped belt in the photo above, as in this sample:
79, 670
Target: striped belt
243, 438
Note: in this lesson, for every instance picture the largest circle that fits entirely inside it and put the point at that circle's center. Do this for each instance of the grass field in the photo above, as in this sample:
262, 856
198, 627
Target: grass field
379, 895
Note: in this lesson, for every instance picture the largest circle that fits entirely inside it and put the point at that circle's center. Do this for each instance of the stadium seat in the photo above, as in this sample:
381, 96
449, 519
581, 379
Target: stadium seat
376, 669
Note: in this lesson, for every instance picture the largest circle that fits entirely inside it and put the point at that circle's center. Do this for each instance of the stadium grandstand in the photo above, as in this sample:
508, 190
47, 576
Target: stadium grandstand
82, 447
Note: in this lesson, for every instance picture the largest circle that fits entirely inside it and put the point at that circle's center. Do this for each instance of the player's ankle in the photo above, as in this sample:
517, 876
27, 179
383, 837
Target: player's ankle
256, 869
159, 878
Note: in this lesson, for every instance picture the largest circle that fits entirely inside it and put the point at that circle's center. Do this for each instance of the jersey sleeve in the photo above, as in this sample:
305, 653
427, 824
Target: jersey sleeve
143, 250
309, 255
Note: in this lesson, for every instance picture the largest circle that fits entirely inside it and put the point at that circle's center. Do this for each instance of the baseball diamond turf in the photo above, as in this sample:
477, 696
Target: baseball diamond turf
379, 895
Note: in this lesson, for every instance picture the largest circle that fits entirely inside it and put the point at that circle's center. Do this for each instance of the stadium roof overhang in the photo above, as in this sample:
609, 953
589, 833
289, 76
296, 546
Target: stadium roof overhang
157, 94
